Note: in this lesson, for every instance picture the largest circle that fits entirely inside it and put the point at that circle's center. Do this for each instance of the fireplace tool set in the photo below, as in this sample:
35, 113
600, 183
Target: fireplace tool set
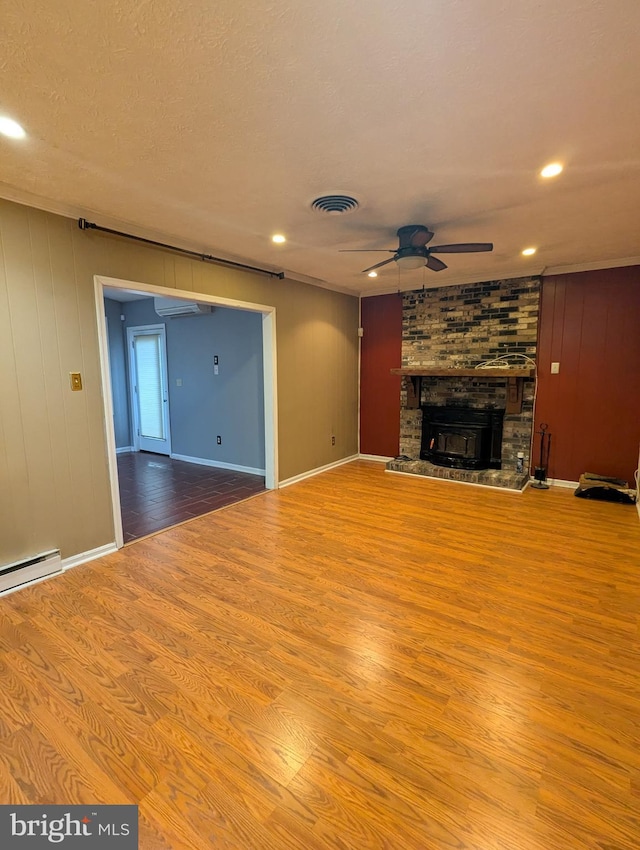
540, 471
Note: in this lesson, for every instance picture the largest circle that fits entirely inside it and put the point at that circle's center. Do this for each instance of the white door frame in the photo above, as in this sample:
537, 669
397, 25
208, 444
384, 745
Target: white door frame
269, 368
134, 397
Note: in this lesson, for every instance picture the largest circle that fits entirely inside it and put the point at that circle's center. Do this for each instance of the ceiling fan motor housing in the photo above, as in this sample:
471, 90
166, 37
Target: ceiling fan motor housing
410, 251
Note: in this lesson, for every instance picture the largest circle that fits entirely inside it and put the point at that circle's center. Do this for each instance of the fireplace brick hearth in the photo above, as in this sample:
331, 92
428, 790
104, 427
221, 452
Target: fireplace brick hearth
461, 327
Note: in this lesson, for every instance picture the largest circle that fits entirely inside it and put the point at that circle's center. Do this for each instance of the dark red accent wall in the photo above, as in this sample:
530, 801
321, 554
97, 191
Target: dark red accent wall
590, 324
381, 351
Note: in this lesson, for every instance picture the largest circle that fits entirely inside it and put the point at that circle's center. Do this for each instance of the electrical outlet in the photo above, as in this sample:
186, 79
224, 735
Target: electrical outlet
333, 441
219, 440
555, 368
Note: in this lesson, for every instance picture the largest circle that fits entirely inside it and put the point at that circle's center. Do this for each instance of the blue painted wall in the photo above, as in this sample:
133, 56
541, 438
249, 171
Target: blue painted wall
118, 367
231, 403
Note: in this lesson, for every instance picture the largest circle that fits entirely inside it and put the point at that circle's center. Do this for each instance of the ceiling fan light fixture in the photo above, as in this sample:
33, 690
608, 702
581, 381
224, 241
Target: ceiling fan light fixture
410, 262
412, 251
529, 252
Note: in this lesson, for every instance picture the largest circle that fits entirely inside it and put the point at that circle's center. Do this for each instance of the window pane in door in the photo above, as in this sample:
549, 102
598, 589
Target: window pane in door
147, 350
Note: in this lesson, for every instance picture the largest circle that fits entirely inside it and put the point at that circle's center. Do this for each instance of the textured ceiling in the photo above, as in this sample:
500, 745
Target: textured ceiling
216, 125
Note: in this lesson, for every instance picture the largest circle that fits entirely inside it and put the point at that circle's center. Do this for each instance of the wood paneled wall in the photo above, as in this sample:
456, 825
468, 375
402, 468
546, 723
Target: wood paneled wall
590, 324
381, 319
54, 489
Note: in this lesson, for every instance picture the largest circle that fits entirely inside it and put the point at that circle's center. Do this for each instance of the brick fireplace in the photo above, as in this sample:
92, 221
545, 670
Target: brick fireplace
458, 327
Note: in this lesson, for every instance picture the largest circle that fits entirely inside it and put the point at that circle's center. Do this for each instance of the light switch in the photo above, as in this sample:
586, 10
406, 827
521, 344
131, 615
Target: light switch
555, 368
75, 378
215, 370
178, 382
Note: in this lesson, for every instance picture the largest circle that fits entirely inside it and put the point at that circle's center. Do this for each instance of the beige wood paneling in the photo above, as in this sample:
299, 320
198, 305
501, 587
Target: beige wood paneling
54, 486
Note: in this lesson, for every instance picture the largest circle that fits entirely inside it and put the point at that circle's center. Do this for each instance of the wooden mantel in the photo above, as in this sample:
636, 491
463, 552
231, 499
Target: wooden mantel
514, 378
433, 372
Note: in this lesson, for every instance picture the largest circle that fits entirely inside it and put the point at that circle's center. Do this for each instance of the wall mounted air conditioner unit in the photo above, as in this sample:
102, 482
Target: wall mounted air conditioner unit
39, 566
171, 307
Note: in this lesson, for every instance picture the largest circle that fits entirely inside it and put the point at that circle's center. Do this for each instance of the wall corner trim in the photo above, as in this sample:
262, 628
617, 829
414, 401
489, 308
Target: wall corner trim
598, 265
311, 472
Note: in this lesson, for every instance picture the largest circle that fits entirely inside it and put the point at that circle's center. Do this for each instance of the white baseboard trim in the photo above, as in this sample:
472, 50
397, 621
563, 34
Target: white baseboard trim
559, 482
67, 564
124, 450
295, 478
453, 481
203, 461
379, 458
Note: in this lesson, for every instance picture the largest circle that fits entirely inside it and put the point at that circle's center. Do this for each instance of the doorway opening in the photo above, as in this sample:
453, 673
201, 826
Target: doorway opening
190, 403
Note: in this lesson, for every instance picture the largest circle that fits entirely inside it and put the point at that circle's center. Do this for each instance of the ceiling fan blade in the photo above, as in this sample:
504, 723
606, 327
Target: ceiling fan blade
462, 248
435, 264
377, 265
414, 236
366, 250
421, 237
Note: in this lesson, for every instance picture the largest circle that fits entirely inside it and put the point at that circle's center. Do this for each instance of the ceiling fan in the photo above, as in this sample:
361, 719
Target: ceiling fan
412, 251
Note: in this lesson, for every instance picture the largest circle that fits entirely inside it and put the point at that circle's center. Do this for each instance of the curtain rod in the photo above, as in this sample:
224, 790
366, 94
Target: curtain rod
83, 224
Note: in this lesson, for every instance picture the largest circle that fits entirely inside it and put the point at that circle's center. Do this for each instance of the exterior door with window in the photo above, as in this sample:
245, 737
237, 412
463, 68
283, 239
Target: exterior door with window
149, 388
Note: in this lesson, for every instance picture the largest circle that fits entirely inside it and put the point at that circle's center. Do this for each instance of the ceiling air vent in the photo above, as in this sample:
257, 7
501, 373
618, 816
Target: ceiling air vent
335, 204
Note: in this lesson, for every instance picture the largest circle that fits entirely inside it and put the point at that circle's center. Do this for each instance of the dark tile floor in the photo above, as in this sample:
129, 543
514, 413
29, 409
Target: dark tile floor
156, 491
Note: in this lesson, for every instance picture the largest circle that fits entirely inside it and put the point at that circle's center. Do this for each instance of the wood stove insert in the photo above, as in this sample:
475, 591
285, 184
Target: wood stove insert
461, 437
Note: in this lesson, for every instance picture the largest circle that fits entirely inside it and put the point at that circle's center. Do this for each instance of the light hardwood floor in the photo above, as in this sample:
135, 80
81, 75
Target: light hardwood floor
361, 660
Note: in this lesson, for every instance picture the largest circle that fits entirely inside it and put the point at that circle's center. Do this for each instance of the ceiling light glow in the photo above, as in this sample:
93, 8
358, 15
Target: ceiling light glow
372, 274
11, 128
528, 252
278, 238
551, 170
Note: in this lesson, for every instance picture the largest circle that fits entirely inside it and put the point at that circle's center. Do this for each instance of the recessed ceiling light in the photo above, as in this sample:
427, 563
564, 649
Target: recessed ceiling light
278, 238
551, 170
11, 128
528, 252
372, 274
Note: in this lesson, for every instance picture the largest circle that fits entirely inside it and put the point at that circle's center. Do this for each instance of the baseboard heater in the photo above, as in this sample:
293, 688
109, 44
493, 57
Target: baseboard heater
46, 564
